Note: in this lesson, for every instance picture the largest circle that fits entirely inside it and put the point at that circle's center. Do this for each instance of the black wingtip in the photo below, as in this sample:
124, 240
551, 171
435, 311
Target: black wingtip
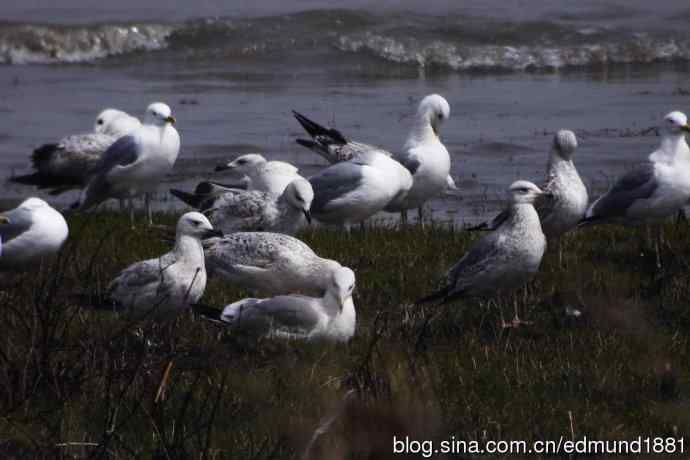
189, 198
207, 312
314, 129
441, 295
478, 228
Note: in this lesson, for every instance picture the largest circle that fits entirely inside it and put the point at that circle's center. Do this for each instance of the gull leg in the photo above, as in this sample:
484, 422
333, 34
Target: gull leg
147, 202
420, 213
657, 246
560, 253
131, 212
403, 216
681, 217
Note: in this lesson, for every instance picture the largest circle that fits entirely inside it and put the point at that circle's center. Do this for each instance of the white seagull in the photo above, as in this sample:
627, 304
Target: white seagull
170, 283
271, 263
260, 174
136, 163
653, 190
235, 210
331, 317
352, 191
29, 232
568, 200
503, 260
69, 163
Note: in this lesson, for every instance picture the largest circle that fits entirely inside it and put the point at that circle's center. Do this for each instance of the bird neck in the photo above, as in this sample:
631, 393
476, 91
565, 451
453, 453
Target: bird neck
558, 164
421, 132
190, 249
524, 215
675, 146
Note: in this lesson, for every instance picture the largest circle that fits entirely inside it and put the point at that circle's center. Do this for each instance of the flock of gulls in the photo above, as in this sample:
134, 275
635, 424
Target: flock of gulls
243, 231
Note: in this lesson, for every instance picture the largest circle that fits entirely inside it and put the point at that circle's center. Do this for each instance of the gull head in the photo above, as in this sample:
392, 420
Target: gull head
565, 143
243, 164
32, 205
196, 225
299, 193
105, 119
342, 285
675, 123
524, 192
433, 109
158, 114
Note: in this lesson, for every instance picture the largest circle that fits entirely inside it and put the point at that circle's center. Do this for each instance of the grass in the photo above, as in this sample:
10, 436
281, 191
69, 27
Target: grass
83, 383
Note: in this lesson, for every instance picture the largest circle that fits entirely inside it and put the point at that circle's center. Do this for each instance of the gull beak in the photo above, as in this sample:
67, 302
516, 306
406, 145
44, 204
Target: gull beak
170, 120
223, 167
4, 220
307, 215
685, 128
212, 233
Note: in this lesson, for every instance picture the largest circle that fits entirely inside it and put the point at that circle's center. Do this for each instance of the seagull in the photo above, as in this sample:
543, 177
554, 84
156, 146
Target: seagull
171, 282
352, 191
333, 146
568, 203
135, 163
236, 210
425, 156
271, 263
653, 190
503, 260
262, 175
69, 163
330, 318
29, 232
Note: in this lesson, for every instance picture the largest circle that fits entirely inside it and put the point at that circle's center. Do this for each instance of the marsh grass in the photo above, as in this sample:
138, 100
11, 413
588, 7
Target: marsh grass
81, 382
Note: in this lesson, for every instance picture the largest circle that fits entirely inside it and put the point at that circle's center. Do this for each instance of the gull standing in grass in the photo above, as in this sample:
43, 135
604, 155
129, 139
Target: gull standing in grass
566, 206
236, 210
69, 163
262, 175
170, 283
136, 163
653, 190
352, 191
271, 263
503, 260
331, 317
29, 232
333, 146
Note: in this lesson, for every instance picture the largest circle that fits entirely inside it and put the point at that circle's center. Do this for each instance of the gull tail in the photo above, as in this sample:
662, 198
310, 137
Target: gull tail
207, 312
484, 226
191, 199
441, 295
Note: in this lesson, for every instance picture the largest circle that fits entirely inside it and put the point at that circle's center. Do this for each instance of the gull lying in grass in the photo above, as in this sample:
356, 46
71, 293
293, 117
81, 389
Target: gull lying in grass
235, 210
271, 263
137, 162
170, 283
262, 175
566, 206
503, 260
331, 317
29, 232
69, 163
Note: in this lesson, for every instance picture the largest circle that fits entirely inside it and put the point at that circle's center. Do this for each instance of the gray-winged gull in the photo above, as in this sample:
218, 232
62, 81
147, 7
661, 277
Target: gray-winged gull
503, 260
236, 210
262, 175
271, 263
170, 283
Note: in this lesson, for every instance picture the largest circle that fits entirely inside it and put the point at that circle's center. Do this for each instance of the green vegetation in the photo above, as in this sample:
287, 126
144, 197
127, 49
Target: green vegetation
77, 382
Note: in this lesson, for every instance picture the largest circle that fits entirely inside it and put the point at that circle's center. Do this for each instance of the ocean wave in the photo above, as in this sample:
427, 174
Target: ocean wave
47, 44
641, 49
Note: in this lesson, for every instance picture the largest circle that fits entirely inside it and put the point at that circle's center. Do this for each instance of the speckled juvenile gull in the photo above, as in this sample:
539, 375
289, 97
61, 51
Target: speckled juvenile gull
137, 162
29, 232
271, 263
69, 163
236, 210
568, 200
332, 145
503, 260
170, 283
331, 317
262, 175
352, 191
653, 190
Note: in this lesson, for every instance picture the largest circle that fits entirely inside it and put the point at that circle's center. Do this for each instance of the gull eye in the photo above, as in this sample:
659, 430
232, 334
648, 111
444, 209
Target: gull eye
99, 121
241, 162
196, 223
300, 199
